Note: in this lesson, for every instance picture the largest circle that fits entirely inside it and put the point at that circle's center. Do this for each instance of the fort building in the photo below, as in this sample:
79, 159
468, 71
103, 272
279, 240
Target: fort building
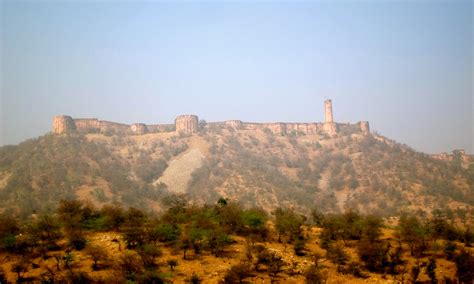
189, 124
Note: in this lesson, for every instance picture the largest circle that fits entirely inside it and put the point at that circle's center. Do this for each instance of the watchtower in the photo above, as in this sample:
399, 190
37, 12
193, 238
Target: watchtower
63, 124
187, 124
328, 111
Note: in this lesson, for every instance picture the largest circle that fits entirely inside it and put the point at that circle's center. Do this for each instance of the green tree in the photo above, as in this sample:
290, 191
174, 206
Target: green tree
333, 229
3, 276
431, 270
68, 258
464, 264
231, 218
337, 254
114, 216
9, 228
166, 232
374, 255
45, 232
450, 250
97, 253
237, 273
70, 214
315, 275
20, 267
372, 228
148, 253
218, 241
415, 271
254, 223
317, 216
288, 223
130, 265
413, 232
172, 263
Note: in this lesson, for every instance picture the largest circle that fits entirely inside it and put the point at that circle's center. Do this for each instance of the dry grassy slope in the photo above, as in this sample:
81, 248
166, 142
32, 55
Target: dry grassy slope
212, 269
387, 175
179, 171
371, 174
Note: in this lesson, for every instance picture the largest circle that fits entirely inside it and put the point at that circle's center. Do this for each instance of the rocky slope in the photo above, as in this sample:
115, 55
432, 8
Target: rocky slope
369, 173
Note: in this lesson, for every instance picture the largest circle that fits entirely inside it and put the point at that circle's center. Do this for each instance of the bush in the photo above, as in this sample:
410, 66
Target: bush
299, 247
97, 253
450, 250
374, 255
337, 254
77, 240
355, 269
131, 265
237, 273
172, 263
194, 279
464, 263
315, 275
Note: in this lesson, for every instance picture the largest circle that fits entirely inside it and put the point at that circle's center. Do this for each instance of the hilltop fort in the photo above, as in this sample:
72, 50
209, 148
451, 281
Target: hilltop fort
189, 124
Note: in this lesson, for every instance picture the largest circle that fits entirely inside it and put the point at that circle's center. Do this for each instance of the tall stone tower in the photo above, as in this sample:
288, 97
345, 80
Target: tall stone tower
63, 124
186, 124
329, 126
328, 111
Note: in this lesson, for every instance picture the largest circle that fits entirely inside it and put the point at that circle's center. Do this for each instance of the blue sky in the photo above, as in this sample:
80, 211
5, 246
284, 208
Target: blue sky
406, 66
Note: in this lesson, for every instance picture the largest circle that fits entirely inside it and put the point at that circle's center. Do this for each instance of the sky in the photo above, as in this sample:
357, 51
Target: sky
405, 66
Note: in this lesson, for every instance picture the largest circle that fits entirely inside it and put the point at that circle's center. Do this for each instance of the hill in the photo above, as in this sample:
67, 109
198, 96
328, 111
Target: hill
366, 172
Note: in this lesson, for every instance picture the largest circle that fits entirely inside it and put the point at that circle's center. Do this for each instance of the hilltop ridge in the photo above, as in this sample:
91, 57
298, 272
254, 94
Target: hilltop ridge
254, 167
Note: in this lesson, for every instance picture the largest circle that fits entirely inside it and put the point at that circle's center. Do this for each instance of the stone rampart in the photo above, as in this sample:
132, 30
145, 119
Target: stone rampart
460, 155
154, 128
189, 124
63, 124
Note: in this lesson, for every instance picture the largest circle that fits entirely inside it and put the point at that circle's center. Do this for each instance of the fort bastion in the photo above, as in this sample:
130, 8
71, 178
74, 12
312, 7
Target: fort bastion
189, 124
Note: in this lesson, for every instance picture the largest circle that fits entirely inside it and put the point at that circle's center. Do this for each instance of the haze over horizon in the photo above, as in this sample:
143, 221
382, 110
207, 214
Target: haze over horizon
406, 67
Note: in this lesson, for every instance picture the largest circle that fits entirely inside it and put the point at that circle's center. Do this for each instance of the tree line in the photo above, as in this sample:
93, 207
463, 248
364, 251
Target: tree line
190, 231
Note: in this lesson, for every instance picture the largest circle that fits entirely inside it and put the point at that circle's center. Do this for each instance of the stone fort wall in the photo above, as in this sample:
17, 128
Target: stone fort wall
465, 158
189, 124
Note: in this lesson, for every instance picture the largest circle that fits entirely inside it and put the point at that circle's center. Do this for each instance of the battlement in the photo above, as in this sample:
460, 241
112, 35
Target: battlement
456, 154
189, 124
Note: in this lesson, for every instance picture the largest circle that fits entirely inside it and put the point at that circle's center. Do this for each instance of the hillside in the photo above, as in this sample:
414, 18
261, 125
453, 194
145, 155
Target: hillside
366, 172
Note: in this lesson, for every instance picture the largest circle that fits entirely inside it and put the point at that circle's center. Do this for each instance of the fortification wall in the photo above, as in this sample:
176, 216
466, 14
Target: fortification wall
87, 124
139, 128
187, 123
330, 128
236, 124
461, 154
303, 128
216, 124
155, 128
295, 128
113, 127
92, 125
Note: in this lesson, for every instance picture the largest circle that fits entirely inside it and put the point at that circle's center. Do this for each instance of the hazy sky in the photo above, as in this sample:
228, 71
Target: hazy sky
407, 67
